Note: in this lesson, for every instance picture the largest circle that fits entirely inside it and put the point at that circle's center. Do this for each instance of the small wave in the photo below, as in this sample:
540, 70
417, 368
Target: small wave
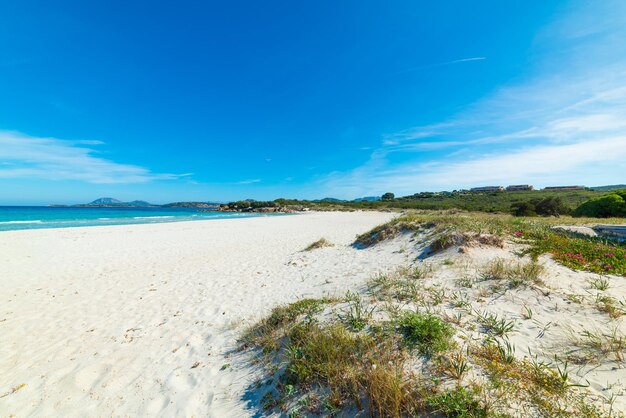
21, 222
153, 217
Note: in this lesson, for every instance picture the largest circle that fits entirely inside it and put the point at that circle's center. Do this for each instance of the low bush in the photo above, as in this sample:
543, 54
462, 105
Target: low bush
549, 206
458, 403
428, 333
611, 205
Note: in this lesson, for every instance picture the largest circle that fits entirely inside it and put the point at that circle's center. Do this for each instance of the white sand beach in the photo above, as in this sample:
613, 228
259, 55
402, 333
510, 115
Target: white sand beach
144, 320
139, 320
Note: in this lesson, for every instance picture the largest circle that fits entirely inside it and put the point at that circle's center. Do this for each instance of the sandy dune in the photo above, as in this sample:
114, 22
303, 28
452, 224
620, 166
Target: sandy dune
137, 320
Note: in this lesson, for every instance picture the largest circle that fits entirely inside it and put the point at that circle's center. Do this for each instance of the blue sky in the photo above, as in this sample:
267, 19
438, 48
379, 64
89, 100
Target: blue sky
199, 100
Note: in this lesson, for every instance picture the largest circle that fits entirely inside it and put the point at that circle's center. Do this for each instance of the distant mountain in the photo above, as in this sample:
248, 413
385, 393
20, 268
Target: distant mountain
367, 199
609, 188
329, 200
138, 203
110, 202
105, 201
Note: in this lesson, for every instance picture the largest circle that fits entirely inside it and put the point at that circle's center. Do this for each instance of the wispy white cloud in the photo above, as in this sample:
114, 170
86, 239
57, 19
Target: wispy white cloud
89, 142
24, 156
250, 181
441, 64
579, 146
591, 162
565, 124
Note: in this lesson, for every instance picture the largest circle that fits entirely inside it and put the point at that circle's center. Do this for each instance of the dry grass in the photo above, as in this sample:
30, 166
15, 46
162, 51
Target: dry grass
404, 284
533, 387
390, 230
266, 334
595, 346
320, 243
362, 371
611, 306
515, 273
459, 239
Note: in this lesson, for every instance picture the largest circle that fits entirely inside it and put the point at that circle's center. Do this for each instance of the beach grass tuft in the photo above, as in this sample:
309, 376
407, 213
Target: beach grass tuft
320, 243
515, 273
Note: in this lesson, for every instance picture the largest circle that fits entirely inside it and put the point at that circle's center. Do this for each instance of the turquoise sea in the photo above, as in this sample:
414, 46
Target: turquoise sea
37, 217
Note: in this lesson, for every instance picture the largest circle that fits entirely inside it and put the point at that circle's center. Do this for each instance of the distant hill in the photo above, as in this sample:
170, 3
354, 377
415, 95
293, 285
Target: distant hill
105, 201
201, 205
609, 188
111, 202
367, 199
360, 199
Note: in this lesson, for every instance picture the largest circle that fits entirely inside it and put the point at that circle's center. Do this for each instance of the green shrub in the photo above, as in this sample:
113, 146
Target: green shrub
549, 206
523, 209
458, 403
611, 205
426, 332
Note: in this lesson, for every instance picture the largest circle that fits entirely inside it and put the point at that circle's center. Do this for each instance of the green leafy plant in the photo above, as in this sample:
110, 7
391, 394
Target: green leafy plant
458, 403
357, 315
611, 205
428, 333
495, 325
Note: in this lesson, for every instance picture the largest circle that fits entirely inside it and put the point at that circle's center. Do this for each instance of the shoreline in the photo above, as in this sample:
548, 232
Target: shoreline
146, 220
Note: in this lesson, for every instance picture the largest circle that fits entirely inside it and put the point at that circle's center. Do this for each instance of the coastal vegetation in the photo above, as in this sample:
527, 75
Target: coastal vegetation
431, 338
597, 202
610, 205
548, 206
592, 203
598, 255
